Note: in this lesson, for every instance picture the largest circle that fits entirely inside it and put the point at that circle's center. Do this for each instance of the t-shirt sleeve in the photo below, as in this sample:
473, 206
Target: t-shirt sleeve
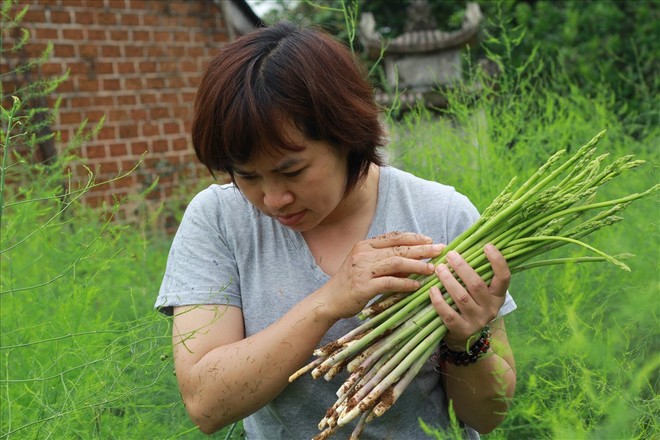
462, 215
201, 268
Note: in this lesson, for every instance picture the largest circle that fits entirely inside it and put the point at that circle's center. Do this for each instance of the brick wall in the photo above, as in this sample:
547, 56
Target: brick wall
138, 62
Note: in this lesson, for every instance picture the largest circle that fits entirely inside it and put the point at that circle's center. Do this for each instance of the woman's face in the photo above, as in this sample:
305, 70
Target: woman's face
299, 189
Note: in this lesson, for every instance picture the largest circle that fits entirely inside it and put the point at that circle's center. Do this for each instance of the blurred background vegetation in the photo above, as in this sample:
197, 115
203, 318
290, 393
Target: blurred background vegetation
84, 355
599, 44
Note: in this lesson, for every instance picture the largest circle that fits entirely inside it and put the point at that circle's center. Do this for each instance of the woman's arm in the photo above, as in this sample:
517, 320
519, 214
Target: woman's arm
479, 392
224, 376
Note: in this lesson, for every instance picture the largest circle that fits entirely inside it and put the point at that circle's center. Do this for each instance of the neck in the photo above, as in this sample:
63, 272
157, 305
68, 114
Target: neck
360, 201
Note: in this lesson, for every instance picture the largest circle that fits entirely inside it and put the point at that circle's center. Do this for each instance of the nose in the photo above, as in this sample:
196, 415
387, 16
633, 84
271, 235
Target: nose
276, 196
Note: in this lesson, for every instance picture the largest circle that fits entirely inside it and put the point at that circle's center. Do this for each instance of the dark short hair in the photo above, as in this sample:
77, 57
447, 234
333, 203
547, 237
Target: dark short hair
285, 73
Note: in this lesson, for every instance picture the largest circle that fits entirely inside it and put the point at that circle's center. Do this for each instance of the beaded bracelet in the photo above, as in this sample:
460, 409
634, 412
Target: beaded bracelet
464, 358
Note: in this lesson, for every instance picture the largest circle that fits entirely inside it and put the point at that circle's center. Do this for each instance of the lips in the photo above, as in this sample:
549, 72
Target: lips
290, 220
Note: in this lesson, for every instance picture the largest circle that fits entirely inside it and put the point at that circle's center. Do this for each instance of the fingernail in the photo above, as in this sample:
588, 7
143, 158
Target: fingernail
437, 247
452, 255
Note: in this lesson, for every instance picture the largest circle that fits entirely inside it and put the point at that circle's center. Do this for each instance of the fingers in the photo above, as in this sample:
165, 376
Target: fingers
502, 275
476, 302
389, 284
450, 317
401, 266
399, 239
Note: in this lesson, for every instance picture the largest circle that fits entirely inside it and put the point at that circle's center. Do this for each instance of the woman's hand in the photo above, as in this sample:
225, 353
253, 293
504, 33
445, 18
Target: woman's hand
379, 265
478, 303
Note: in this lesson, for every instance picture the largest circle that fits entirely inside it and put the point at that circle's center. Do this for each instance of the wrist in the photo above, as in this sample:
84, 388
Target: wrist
468, 353
321, 303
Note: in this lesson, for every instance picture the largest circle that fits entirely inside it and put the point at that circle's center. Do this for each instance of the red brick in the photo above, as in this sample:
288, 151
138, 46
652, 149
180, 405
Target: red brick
162, 36
49, 69
106, 133
199, 52
117, 4
102, 68
65, 87
169, 22
139, 4
118, 149
118, 114
180, 144
125, 67
110, 51
169, 98
148, 98
154, 51
95, 151
95, 201
88, 50
155, 83
107, 19
129, 19
159, 113
70, 118
88, 85
138, 114
178, 8
34, 16
171, 128
80, 101
60, 17
128, 131
120, 35
188, 66
109, 166
176, 51
126, 100
132, 83
190, 22
73, 34
84, 17
147, 67
110, 85
167, 67
160, 146
150, 20
70, 3
174, 83
44, 33
125, 182
96, 34
81, 68
104, 101
35, 49
181, 37
139, 35
139, 148
95, 115
133, 51
64, 51
150, 129
65, 136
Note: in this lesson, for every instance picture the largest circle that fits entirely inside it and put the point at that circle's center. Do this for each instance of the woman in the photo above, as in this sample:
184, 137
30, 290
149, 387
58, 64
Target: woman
267, 268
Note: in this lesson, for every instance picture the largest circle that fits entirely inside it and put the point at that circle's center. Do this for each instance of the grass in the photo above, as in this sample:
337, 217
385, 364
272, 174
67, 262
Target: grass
84, 355
585, 336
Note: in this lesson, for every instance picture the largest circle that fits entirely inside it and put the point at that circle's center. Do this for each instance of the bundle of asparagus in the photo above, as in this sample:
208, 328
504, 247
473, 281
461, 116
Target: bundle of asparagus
402, 330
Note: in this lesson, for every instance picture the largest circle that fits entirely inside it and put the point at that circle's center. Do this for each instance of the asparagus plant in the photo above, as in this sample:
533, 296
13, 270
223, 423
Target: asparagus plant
401, 330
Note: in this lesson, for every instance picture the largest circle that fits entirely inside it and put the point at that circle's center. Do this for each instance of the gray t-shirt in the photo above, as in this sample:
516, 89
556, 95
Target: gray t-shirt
226, 252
